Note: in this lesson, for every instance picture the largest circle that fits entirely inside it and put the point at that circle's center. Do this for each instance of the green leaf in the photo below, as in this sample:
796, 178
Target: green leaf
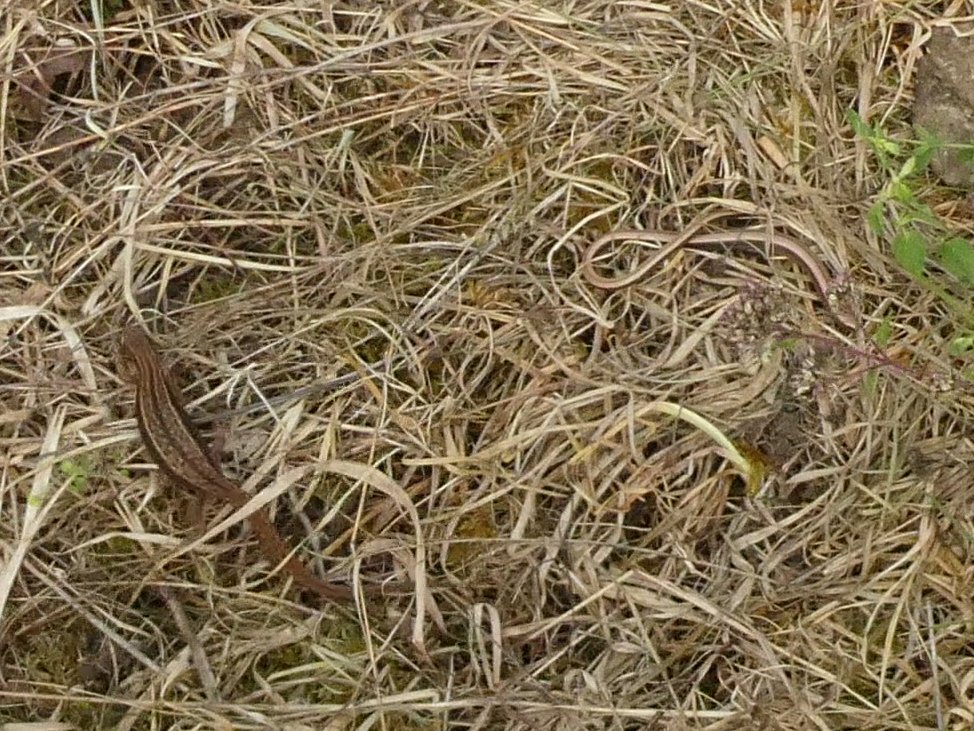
883, 333
876, 217
923, 212
858, 126
871, 382
77, 472
910, 252
901, 192
875, 137
961, 346
929, 145
957, 257
894, 148
908, 168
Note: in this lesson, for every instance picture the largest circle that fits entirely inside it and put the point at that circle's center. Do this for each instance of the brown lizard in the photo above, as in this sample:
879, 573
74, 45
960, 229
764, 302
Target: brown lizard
174, 445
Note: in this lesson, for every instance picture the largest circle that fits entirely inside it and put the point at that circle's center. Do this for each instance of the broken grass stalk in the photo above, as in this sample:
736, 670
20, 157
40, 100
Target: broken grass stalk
751, 471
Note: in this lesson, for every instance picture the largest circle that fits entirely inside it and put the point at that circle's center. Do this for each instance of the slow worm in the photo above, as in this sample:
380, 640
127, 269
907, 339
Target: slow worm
774, 244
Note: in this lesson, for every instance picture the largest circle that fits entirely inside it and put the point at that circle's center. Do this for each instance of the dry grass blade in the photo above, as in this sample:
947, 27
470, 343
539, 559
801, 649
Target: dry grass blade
361, 234
40, 500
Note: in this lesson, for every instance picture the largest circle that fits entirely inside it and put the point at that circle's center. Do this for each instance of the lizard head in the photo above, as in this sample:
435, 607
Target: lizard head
132, 351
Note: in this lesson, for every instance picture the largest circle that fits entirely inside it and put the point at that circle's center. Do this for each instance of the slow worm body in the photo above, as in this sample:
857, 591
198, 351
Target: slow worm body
773, 244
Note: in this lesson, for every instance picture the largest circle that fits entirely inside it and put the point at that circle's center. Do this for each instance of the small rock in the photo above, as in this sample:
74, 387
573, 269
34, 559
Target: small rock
944, 101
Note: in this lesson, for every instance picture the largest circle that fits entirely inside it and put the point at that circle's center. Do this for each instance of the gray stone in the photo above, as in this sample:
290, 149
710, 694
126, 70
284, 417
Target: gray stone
944, 101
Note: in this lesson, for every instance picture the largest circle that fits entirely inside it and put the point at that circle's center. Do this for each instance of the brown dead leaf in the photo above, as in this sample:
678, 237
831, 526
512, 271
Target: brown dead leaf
35, 73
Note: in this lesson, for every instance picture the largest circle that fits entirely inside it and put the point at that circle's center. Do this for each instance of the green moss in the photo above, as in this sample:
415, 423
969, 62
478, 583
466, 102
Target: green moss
342, 637
52, 656
469, 536
214, 288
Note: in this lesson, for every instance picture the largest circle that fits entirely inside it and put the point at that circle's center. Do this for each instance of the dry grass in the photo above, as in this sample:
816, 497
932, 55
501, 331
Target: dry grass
290, 192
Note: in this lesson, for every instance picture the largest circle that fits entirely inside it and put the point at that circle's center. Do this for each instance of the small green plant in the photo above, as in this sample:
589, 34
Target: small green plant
77, 471
922, 243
